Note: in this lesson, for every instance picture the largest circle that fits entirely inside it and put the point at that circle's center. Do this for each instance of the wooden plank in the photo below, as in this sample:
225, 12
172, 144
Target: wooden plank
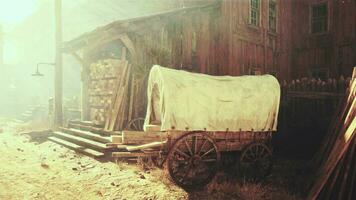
118, 103
146, 146
87, 135
133, 154
232, 145
345, 135
116, 138
90, 129
140, 137
120, 69
76, 147
118, 92
347, 165
131, 99
81, 141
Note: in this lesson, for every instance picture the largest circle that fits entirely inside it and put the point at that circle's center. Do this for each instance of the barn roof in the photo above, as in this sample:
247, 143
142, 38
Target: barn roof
109, 31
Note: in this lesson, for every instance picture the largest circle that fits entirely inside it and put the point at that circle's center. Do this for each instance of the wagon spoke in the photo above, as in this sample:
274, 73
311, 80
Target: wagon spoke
248, 157
256, 151
134, 124
182, 153
206, 153
194, 144
188, 147
202, 146
261, 154
140, 126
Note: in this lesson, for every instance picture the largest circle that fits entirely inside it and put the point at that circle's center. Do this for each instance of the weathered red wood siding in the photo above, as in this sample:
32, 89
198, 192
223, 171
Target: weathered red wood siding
243, 47
219, 40
334, 50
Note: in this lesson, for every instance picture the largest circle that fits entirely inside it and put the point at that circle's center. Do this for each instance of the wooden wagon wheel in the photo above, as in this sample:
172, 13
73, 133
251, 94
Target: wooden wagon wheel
256, 161
193, 160
136, 124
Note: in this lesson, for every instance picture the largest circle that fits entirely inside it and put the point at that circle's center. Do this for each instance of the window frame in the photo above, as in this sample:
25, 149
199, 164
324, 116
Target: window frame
275, 16
258, 20
327, 17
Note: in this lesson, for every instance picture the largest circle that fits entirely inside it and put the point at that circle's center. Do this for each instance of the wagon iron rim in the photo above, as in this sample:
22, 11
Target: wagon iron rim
255, 162
193, 160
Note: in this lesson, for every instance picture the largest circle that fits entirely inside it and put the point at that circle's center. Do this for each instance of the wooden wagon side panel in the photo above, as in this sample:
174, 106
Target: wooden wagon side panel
227, 141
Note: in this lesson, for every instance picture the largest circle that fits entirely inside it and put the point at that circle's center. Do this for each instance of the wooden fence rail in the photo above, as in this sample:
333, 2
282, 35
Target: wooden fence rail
307, 107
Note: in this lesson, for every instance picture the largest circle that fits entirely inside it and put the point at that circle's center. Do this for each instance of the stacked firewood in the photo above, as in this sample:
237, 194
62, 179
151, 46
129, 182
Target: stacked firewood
104, 69
117, 93
102, 80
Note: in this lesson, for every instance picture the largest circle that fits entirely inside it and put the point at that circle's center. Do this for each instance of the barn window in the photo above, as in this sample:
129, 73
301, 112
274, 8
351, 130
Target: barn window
255, 12
319, 18
272, 16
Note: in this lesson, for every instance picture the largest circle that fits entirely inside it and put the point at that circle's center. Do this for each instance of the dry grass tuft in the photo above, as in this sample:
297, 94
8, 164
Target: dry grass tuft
253, 191
146, 163
162, 175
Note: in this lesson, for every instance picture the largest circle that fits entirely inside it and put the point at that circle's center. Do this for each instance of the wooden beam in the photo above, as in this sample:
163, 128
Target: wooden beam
78, 58
146, 146
133, 155
110, 37
140, 137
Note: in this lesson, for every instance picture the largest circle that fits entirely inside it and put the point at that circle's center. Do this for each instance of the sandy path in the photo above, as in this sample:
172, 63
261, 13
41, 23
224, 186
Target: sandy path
29, 170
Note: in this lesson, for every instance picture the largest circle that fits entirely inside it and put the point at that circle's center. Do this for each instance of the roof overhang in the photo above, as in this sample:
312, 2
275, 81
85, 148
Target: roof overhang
115, 30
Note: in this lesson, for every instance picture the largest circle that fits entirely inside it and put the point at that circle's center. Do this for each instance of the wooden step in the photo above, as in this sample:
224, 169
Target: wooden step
87, 135
83, 150
81, 141
85, 123
89, 128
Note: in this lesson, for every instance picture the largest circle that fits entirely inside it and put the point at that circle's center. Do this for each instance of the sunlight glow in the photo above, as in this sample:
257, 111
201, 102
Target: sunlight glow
13, 12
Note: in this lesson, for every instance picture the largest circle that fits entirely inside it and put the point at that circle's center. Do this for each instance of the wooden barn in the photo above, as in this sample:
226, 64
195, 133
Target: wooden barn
309, 45
207, 39
219, 38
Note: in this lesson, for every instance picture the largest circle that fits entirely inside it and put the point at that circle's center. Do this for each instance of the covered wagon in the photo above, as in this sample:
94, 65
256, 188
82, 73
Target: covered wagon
195, 118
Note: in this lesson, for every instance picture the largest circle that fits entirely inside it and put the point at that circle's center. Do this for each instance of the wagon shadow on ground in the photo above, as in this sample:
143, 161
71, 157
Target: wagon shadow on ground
287, 181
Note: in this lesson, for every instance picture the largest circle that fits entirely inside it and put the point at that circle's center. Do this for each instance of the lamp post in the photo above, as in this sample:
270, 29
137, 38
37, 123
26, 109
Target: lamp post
58, 79
37, 72
1, 46
58, 72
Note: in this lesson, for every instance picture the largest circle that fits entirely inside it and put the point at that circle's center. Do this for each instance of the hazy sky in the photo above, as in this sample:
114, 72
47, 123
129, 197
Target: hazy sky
13, 12
29, 39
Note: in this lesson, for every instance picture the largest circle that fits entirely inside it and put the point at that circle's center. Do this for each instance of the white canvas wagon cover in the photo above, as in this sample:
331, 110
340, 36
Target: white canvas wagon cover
182, 100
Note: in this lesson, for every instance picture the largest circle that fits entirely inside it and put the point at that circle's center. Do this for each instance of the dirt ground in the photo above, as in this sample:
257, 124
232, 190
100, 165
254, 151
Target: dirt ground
33, 168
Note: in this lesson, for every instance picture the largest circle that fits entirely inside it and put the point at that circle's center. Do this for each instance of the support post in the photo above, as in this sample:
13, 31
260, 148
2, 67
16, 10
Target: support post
58, 84
1, 47
85, 114
85, 93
